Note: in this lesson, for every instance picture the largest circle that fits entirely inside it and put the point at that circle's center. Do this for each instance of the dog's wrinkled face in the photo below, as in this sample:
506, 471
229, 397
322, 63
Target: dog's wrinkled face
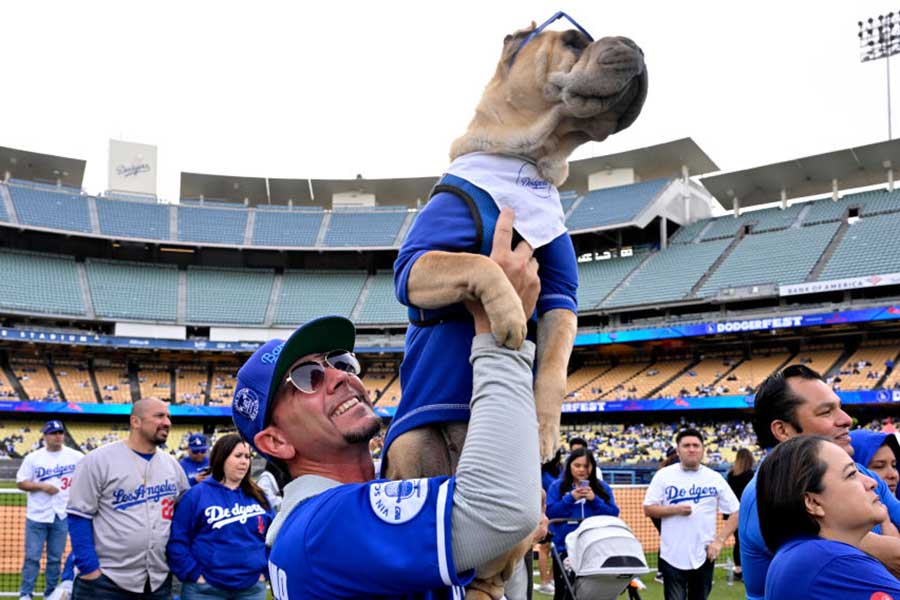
555, 93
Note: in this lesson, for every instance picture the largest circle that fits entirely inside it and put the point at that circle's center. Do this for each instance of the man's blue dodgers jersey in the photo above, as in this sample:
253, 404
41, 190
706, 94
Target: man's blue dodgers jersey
819, 569
755, 555
435, 374
377, 540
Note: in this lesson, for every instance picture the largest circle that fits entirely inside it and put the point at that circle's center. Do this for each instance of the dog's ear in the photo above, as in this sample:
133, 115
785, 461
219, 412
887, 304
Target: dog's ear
512, 42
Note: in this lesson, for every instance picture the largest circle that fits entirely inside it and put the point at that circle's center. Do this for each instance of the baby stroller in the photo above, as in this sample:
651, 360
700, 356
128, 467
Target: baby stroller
604, 557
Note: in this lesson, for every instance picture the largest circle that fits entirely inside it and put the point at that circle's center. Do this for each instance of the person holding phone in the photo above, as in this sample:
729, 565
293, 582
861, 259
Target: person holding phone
576, 496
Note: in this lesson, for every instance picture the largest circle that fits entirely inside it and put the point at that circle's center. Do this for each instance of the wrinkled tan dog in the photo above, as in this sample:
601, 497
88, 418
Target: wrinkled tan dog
552, 91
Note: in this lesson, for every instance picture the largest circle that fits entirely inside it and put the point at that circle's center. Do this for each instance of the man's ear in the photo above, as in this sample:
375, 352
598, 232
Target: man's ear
782, 430
813, 507
272, 441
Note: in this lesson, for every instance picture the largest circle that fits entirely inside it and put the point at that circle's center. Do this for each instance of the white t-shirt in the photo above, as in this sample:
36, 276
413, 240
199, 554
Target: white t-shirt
55, 468
684, 538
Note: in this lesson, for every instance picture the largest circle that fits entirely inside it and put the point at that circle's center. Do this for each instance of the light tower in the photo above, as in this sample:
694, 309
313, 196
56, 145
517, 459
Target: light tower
879, 37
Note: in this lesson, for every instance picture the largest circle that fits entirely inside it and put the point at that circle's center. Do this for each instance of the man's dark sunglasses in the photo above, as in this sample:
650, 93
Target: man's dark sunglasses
309, 376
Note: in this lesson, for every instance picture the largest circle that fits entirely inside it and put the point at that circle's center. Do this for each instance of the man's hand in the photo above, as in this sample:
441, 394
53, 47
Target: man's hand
506, 317
712, 551
200, 476
682, 509
49, 488
92, 575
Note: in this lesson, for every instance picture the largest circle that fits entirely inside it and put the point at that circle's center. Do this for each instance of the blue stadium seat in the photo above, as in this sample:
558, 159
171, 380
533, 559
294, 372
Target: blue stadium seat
782, 257
212, 225
869, 247
381, 305
298, 227
305, 295
614, 205
237, 296
128, 290
688, 233
596, 279
376, 226
121, 218
40, 283
669, 274
54, 210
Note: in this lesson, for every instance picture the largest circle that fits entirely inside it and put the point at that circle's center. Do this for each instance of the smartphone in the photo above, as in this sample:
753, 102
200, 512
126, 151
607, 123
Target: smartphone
584, 483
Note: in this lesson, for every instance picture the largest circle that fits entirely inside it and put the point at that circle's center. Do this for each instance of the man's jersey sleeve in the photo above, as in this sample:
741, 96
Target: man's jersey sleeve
558, 271
26, 469
382, 538
654, 494
445, 224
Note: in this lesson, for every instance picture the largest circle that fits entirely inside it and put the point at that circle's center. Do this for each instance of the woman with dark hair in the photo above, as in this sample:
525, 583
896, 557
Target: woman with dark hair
738, 477
217, 546
578, 494
878, 452
815, 507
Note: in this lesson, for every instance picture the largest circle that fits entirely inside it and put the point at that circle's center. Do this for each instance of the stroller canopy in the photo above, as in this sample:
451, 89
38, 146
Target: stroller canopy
605, 546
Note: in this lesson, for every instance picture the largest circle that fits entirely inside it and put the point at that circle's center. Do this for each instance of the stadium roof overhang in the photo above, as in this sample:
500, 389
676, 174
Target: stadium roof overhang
46, 168
808, 176
401, 191
294, 191
226, 188
652, 162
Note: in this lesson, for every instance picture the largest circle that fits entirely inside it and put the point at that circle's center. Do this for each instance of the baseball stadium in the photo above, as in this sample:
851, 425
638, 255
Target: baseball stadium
695, 284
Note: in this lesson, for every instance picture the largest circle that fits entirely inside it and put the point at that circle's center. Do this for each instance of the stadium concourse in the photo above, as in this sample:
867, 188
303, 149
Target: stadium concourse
694, 286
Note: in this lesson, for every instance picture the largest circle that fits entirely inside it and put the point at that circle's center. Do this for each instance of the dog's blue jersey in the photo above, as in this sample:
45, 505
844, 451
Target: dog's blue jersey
435, 375
394, 535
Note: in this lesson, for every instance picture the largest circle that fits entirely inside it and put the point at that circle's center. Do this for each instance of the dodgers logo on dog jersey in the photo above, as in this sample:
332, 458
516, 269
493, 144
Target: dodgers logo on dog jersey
397, 502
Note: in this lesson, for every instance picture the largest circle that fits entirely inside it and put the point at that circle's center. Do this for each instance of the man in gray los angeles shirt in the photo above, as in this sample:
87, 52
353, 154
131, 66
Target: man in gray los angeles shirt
120, 511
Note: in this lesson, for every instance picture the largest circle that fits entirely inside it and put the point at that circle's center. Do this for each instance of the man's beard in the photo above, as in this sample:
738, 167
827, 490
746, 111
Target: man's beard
160, 437
363, 434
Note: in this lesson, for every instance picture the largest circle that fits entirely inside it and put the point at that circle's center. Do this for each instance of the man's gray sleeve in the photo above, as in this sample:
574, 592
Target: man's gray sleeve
497, 499
84, 495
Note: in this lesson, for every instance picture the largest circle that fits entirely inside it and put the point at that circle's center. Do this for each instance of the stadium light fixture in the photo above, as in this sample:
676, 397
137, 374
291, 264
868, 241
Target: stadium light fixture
880, 38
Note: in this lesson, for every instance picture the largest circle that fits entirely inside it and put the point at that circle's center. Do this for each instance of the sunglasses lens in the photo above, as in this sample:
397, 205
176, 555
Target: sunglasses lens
308, 377
344, 361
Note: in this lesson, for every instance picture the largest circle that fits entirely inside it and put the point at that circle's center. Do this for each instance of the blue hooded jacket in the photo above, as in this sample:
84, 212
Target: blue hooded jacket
563, 506
219, 533
866, 443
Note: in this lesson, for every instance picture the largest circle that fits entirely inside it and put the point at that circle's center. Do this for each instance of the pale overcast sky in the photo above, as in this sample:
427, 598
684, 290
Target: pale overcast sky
331, 89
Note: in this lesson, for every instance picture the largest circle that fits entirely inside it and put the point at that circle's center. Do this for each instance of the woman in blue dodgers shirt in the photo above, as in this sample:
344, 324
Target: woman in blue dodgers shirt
340, 534
217, 546
577, 495
815, 507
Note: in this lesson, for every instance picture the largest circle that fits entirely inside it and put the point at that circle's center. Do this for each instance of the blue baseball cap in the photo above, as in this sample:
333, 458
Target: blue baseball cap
261, 376
53, 426
197, 442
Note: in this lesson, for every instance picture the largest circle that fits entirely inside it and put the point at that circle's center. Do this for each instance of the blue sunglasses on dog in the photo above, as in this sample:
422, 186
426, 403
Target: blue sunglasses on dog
559, 15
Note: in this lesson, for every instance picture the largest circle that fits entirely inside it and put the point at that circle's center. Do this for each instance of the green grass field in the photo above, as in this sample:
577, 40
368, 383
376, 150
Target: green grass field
720, 590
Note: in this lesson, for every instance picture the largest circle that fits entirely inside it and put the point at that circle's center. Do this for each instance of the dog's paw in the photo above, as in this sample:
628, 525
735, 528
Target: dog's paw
508, 322
548, 433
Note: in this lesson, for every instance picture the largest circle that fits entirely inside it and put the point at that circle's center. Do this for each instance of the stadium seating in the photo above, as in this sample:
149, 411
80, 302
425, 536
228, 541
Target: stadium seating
567, 199
390, 396
39, 283
212, 225
34, 378
17, 438
582, 377
597, 278
381, 305
190, 384
869, 247
54, 210
75, 381
819, 359
688, 233
224, 378
113, 382
298, 227
865, 367
305, 295
122, 218
869, 203
747, 376
89, 436
781, 257
228, 295
644, 383
377, 226
7, 391
126, 290
620, 204
699, 379
668, 275
155, 382
612, 383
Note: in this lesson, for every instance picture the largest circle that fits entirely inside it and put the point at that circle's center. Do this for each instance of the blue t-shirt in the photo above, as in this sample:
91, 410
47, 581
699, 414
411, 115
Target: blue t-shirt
192, 469
755, 556
819, 569
435, 375
377, 540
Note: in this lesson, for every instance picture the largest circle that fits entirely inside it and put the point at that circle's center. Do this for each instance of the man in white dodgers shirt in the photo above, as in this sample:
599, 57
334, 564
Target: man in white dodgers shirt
46, 474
